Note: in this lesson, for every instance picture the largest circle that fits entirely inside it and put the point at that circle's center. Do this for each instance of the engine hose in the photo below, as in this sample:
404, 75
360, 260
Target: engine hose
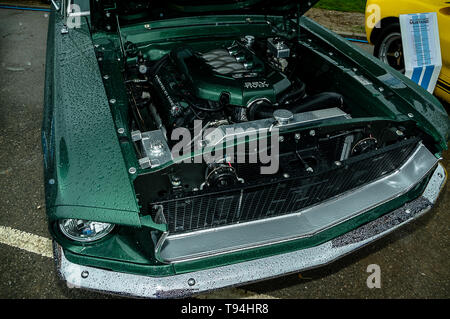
158, 65
192, 103
260, 110
293, 96
318, 101
207, 109
157, 119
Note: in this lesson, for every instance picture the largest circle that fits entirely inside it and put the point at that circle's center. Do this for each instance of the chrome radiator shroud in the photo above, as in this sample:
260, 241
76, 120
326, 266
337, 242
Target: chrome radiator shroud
282, 197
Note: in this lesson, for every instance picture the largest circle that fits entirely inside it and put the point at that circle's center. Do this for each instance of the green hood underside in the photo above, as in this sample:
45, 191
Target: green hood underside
283, 7
139, 10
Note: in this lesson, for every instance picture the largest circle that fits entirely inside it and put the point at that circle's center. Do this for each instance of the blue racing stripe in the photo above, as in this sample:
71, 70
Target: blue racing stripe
416, 75
427, 76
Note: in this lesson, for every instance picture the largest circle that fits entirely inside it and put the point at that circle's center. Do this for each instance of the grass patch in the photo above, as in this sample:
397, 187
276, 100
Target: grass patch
343, 5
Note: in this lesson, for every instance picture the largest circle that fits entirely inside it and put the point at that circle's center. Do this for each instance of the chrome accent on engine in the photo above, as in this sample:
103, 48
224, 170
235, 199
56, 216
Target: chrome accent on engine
221, 134
283, 116
278, 48
156, 151
224, 62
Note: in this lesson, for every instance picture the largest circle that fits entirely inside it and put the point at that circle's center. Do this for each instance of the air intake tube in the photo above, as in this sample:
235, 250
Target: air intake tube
319, 101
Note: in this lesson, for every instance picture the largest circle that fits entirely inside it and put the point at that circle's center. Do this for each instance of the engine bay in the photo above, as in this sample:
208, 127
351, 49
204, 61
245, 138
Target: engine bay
253, 84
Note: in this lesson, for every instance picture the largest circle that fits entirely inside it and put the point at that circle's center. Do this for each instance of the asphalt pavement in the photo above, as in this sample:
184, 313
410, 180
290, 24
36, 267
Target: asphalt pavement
414, 261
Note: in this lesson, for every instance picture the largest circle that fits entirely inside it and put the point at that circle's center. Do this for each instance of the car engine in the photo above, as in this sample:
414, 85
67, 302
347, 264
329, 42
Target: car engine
245, 81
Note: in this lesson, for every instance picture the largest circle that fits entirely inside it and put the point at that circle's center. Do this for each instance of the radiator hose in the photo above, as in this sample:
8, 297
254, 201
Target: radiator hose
319, 101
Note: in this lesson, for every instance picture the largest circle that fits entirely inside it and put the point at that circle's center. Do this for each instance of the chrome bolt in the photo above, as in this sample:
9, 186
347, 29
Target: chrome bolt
312, 133
106, 76
51, 181
286, 175
120, 130
84, 274
176, 181
281, 139
132, 170
399, 133
309, 169
100, 58
191, 282
408, 211
297, 136
410, 115
381, 89
112, 101
338, 163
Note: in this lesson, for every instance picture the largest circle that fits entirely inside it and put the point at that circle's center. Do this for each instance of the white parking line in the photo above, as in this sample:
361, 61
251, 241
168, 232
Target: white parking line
43, 246
26, 241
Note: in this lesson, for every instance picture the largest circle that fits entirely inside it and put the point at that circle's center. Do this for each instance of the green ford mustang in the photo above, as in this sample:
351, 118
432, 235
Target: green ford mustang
195, 145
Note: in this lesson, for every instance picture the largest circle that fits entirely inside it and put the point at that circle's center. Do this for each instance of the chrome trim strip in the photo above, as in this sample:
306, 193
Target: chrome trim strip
184, 285
57, 7
305, 223
79, 14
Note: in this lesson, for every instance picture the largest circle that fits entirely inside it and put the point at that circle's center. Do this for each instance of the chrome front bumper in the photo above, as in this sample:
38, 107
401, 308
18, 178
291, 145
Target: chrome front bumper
183, 285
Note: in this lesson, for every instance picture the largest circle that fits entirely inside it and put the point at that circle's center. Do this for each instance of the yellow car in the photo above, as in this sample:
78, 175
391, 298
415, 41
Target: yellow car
383, 30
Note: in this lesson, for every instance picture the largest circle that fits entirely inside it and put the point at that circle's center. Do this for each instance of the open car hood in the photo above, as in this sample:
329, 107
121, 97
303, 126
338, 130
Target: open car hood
139, 10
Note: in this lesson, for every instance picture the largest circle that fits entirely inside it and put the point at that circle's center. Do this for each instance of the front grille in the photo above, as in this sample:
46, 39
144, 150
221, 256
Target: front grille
284, 196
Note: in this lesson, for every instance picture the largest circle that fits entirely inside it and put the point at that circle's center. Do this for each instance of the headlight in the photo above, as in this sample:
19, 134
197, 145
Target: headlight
84, 230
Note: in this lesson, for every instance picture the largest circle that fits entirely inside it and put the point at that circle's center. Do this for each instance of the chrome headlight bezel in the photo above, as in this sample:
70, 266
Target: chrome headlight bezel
84, 231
